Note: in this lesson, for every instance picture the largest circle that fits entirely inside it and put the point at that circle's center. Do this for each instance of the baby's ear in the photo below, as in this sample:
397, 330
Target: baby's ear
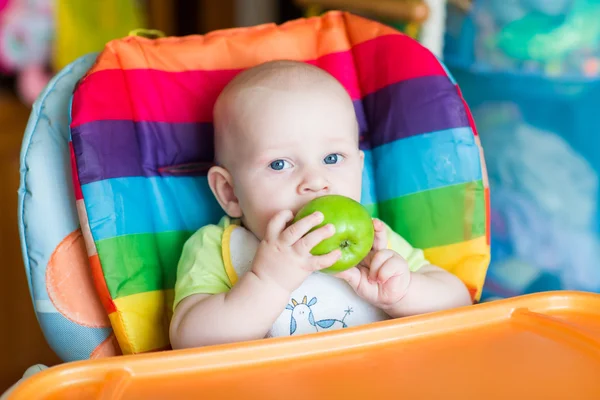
221, 184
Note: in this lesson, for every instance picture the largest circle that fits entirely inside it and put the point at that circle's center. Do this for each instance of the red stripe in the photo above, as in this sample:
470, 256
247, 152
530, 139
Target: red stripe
391, 59
468, 111
148, 95
75, 174
100, 283
488, 212
488, 216
152, 95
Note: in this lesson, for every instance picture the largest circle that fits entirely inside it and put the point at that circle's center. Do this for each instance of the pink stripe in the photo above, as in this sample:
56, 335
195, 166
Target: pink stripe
152, 95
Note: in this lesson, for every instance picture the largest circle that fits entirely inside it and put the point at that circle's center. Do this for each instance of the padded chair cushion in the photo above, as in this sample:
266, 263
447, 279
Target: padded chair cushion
142, 141
66, 304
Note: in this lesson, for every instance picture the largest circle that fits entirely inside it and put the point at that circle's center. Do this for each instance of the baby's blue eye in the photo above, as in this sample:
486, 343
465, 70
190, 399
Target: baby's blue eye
279, 165
333, 158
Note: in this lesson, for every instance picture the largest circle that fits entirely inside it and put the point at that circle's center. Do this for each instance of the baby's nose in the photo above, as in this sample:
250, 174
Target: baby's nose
313, 184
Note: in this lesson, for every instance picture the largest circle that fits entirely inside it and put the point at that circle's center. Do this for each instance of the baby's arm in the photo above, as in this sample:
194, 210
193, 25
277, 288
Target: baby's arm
385, 280
431, 288
247, 312
282, 262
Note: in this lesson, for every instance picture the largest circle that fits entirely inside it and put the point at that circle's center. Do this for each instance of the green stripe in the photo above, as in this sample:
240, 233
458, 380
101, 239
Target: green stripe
140, 263
437, 217
372, 209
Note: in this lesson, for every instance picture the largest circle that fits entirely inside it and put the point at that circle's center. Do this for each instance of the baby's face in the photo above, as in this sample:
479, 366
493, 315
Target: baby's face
292, 147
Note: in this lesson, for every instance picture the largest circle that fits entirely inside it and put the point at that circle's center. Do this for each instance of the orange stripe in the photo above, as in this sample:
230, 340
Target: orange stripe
303, 39
100, 284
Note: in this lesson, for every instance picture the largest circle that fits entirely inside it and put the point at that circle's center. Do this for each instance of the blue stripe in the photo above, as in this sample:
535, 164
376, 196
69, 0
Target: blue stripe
425, 162
132, 205
368, 180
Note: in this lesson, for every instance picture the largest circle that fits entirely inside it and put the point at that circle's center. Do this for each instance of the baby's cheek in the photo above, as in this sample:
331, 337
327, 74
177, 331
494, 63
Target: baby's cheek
261, 215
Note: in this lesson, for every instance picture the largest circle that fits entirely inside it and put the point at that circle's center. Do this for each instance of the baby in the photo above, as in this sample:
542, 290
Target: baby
286, 133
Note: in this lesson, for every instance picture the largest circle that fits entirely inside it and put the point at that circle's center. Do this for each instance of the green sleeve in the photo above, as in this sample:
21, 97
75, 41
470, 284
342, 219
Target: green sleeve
414, 257
201, 268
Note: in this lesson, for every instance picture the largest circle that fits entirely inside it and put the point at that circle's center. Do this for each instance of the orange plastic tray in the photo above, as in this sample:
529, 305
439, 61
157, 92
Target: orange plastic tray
538, 346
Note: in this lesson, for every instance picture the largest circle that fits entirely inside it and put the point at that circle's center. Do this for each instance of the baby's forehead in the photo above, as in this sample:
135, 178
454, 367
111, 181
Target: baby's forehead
250, 93
277, 95
282, 76
257, 101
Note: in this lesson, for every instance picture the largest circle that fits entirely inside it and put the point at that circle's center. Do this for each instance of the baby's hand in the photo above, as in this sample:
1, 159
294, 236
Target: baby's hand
383, 277
283, 256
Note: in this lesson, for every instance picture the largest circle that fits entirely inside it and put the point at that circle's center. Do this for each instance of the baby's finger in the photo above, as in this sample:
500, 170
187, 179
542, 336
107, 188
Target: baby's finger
325, 261
277, 224
352, 276
392, 267
294, 232
307, 242
380, 241
378, 260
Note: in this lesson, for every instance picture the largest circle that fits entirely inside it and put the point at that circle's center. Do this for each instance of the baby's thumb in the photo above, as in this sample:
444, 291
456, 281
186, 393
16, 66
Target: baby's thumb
380, 239
326, 260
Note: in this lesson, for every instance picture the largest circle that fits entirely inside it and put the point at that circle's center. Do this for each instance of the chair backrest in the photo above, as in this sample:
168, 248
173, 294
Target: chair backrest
64, 298
142, 141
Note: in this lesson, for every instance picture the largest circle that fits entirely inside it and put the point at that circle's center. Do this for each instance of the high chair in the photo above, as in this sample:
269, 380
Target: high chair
113, 182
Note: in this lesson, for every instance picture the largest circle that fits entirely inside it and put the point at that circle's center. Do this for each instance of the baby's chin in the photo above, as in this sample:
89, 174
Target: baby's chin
259, 233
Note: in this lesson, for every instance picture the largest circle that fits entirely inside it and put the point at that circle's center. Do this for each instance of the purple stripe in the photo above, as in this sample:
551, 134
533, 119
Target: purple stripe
420, 105
363, 130
111, 149
115, 148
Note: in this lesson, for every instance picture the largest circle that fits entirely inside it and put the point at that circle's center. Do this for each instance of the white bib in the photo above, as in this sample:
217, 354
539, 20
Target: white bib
321, 303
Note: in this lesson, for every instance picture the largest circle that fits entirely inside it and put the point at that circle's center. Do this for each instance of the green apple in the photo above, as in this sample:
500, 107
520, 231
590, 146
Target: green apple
354, 233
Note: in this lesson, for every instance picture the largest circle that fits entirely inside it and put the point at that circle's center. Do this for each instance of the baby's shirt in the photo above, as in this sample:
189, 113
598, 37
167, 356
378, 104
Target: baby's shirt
216, 256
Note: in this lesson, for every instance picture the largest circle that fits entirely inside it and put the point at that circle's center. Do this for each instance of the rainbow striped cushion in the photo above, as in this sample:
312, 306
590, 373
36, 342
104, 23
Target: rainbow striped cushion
143, 113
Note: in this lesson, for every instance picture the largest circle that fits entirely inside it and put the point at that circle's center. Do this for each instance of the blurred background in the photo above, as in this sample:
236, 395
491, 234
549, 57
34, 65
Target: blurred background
529, 70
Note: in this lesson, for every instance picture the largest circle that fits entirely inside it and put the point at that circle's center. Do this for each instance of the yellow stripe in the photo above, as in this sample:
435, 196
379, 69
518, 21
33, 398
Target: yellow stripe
120, 331
141, 323
468, 260
226, 253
